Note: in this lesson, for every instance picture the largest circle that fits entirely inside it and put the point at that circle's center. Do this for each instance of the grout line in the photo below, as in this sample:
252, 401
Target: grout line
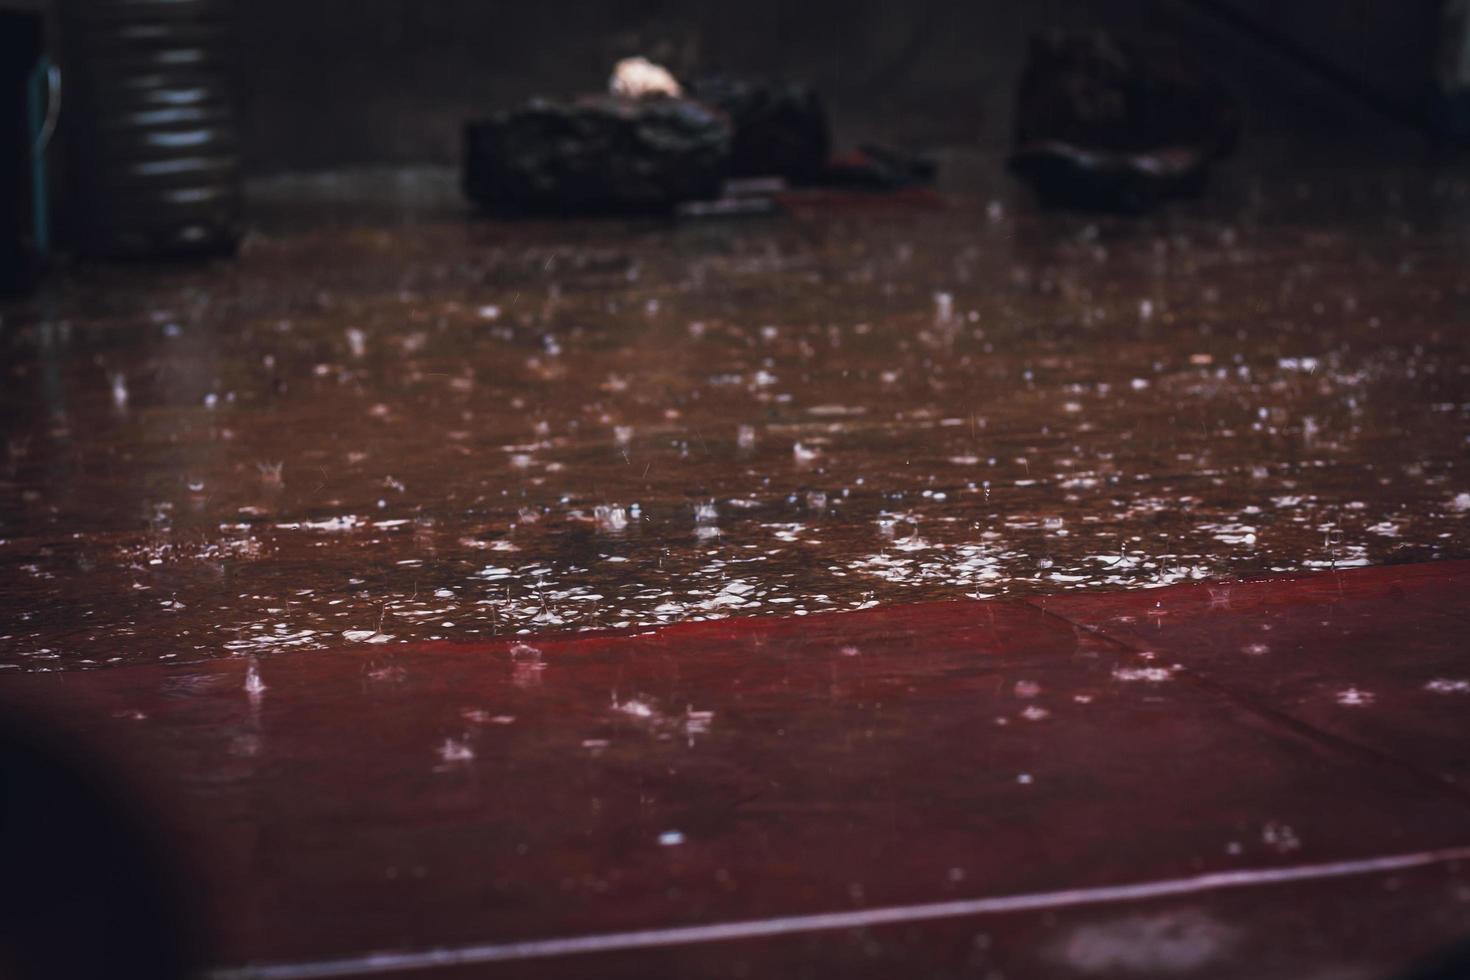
1306, 730
378, 963
1328, 739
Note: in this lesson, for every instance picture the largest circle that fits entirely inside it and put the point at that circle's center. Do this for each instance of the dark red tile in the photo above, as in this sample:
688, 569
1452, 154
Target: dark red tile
1377, 656
387, 798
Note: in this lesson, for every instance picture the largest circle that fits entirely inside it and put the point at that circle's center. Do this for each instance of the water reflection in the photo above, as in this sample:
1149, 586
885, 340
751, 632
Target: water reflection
434, 429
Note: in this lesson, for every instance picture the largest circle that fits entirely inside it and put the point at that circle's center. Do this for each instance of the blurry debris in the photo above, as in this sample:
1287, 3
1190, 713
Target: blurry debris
874, 167
597, 154
781, 128
639, 78
727, 207
646, 147
739, 198
755, 186
846, 181
1116, 124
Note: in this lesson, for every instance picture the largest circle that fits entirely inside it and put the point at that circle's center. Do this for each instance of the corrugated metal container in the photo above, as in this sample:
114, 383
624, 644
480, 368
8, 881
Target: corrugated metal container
151, 123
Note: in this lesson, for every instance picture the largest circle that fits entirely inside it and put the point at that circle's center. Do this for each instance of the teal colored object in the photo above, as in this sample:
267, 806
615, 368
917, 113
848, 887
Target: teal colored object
43, 99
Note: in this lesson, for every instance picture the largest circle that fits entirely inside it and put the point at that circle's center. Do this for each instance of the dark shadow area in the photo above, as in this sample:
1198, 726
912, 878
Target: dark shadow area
92, 886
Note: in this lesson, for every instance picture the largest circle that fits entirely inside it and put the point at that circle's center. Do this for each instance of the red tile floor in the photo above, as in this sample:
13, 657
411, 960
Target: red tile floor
1263, 779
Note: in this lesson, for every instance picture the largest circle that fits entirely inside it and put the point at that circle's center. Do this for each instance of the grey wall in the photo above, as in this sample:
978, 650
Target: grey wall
1386, 49
331, 83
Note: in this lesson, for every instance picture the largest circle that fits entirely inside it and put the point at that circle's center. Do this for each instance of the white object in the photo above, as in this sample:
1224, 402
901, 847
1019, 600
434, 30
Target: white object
639, 78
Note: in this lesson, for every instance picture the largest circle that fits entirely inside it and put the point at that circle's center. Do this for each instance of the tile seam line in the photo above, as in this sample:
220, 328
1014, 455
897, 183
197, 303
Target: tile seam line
748, 929
1311, 733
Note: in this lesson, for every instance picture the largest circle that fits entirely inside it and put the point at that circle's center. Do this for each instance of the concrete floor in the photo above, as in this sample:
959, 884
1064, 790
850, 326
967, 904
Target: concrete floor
390, 442
1204, 780
386, 418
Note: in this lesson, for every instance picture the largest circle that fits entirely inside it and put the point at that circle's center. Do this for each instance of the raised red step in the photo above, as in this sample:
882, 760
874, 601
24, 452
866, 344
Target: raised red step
1254, 778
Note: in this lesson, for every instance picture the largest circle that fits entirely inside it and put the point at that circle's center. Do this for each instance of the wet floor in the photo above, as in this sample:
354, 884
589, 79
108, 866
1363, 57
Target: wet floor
1212, 780
396, 423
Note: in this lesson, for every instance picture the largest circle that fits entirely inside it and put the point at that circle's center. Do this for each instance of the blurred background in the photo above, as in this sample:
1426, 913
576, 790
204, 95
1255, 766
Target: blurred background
272, 88
329, 84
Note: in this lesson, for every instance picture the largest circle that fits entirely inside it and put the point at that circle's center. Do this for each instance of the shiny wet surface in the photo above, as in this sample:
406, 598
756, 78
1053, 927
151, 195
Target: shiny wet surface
1206, 780
406, 425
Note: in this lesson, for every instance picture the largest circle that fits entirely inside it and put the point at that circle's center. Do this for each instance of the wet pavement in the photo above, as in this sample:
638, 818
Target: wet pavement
406, 534
394, 422
1206, 780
